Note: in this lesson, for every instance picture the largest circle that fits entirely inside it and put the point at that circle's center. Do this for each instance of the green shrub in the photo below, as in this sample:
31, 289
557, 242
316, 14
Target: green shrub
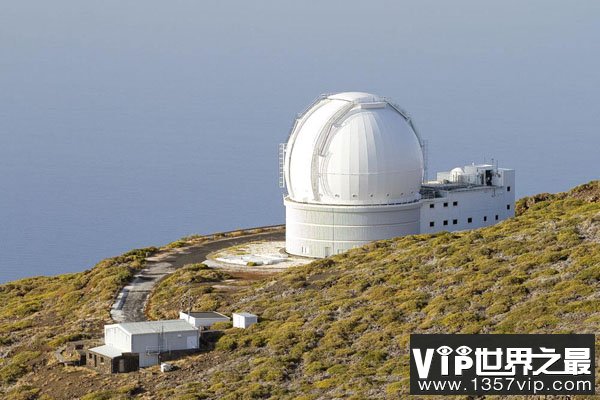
226, 343
25, 392
18, 366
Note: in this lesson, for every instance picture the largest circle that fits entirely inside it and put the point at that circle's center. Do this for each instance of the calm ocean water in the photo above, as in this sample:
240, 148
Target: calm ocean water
128, 124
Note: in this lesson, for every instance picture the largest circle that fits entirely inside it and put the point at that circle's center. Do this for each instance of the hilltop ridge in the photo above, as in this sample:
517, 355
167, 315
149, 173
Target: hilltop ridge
335, 328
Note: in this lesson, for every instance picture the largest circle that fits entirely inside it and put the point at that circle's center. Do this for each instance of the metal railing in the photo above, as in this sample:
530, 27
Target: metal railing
282, 147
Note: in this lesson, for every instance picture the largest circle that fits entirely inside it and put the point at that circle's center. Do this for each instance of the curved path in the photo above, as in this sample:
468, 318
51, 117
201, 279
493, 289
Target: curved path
131, 301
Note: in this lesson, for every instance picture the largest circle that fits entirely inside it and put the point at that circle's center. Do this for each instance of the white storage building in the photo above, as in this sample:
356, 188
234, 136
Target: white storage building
150, 338
244, 320
203, 319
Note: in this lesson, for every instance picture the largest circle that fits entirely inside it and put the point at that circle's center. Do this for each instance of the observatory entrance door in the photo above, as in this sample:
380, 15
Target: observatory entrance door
327, 251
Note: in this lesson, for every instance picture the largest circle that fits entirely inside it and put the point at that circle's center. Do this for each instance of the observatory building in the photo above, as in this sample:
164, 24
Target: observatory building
355, 172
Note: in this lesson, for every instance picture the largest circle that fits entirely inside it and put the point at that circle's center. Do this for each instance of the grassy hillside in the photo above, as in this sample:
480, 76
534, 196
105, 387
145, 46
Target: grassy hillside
339, 328
38, 314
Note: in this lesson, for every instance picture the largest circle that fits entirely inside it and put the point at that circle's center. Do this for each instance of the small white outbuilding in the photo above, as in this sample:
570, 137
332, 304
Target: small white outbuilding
244, 320
202, 319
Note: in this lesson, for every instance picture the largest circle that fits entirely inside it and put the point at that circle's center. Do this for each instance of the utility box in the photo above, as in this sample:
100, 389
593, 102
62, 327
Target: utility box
244, 320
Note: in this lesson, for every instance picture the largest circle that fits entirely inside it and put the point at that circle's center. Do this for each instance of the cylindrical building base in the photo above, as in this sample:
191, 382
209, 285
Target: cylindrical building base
318, 231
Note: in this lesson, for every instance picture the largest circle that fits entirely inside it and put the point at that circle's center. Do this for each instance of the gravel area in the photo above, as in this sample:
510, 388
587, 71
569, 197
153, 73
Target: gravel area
130, 303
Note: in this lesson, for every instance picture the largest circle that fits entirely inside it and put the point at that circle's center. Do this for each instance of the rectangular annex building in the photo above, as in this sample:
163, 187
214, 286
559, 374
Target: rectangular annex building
202, 319
147, 339
109, 359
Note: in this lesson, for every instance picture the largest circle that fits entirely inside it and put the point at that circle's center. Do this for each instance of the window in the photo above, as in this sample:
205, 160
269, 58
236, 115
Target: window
455, 203
496, 217
431, 205
508, 206
469, 220
445, 222
445, 204
508, 188
431, 223
101, 360
454, 221
484, 218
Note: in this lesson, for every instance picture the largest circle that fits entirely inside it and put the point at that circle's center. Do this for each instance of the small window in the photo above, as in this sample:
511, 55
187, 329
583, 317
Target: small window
484, 218
508, 188
431, 223
496, 217
445, 222
454, 221
101, 360
455, 203
432, 205
469, 220
445, 204
508, 206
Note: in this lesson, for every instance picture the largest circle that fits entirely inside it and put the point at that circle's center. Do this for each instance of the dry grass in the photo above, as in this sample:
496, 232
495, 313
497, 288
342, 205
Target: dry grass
336, 328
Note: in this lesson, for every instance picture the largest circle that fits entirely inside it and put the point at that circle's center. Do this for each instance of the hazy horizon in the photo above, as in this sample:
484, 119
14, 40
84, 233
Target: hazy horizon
130, 124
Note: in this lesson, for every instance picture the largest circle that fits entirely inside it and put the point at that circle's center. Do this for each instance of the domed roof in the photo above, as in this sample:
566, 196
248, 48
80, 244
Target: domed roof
353, 148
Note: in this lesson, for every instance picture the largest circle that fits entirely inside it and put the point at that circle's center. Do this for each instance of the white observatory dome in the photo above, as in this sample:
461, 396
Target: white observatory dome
353, 149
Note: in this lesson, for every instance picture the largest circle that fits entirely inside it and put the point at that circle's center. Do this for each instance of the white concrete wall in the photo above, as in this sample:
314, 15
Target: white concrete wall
241, 321
200, 322
117, 337
481, 204
141, 343
322, 230
319, 231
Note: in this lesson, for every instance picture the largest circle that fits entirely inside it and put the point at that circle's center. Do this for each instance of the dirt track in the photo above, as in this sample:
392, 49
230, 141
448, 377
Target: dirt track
131, 301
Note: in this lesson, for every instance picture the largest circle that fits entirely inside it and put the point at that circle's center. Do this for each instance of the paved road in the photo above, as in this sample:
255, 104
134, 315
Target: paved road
131, 301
